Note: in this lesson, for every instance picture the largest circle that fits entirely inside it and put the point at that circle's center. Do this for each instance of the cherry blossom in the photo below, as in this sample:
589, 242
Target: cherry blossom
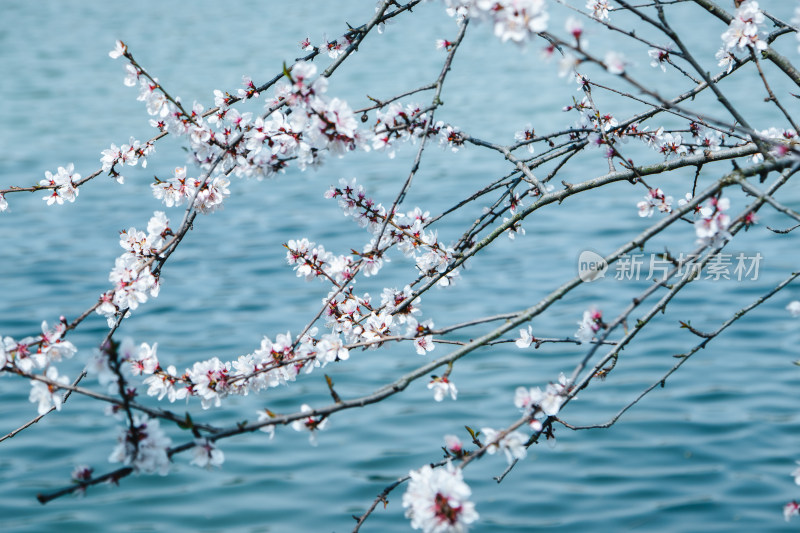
785, 138
453, 445
599, 8
590, 324
451, 137
443, 44
424, 344
655, 199
442, 386
615, 62
129, 154
82, 473
513, 229
263, 416
296, 125
669, 144
210, 379
525, 338
574, 26
312, 424
796, 474
512, 444
391, 299
551, 400
205, 454
397, 123
330, 348
527, 134
725, 59
791, 509
713, 226
567, 65
167, 383
143, 446
145, 361
48, 395
437, 500
515, 20
119, 50
534, 401
52, 345
659, 57
211, 194
63, 184
744, 30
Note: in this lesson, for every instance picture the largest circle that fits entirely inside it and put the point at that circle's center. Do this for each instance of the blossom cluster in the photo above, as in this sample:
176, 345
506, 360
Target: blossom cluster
782, 138
62, 184
534, 402
206, 195
333, 48
712, 227
654, 199
274, 363
515, 20
310, 423
793, 508
128, 154
404, 123
310, 260
512, 444
437, 500
131, 276
659, 57
352, 316
745, 29
313, 123
205, 454
605, 132
590, 324
599, 8
143, 445
407, 231
442, 387
31, 354
245, 145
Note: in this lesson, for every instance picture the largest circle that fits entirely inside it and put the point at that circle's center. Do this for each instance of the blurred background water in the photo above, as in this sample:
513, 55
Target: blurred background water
711, 451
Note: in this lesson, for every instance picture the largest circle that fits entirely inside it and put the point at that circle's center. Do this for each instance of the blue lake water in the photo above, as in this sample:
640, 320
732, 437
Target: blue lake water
711, 451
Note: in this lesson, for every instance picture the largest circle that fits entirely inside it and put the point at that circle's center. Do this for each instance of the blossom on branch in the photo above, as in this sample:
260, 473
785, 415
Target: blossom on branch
312, 424
659, 57
745, 28
713, 226
655, 199
512, 444
515, 20
48, 395
590, 324
62, 184
599, 8
442, 386
143, 446
437, 500
206, 454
